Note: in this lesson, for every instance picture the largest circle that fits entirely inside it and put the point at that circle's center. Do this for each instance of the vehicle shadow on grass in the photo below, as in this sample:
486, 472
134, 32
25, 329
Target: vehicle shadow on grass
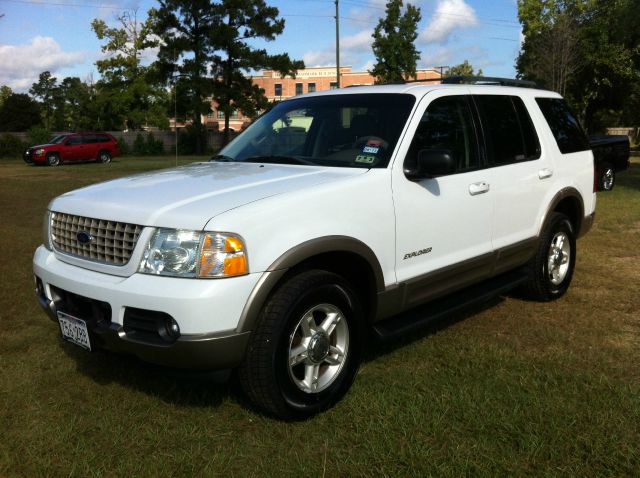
631, 177
174, 386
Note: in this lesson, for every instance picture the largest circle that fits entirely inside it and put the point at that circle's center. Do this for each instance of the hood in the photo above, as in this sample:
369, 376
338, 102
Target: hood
188, 197
48, 145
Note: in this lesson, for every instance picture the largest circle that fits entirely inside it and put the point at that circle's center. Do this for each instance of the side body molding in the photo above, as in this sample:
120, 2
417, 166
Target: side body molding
296, 255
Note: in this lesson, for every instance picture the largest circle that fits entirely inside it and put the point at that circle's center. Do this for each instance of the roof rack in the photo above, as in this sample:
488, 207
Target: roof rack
482, 80
488, 80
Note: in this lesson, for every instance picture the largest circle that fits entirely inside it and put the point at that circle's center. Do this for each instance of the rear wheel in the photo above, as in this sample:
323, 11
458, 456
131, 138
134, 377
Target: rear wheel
304, 353
606, 178
104, 157
53, 159
551, 269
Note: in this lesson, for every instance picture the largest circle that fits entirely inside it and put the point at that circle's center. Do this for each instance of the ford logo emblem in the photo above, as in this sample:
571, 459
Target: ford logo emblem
84, 237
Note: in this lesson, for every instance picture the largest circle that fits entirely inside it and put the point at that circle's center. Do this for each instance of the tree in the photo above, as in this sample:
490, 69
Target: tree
45, 90
393, 44
238, 22
5, 92
19, 113
126, 84
186, 51
463, 69
571, 47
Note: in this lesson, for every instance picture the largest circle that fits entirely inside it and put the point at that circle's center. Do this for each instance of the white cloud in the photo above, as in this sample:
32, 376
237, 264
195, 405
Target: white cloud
450, 15
319, 58
357, 43
21, 64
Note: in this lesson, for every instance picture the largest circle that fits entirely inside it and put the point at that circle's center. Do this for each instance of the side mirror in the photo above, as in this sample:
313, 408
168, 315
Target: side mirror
431, 163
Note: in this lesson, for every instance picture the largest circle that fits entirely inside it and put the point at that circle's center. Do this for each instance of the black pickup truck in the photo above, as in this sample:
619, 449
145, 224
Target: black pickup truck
611, 154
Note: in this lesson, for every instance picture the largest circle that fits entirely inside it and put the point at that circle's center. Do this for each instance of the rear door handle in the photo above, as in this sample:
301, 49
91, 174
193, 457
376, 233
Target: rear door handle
478, 188
545, 173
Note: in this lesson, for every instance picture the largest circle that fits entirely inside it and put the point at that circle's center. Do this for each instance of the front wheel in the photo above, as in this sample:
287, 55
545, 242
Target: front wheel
304, 352
53, 159
551, 269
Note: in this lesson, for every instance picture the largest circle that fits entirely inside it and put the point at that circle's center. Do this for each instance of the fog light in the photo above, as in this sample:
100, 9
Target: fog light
172, 328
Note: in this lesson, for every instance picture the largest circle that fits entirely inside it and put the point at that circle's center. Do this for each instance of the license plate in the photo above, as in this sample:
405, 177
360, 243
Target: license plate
74, 330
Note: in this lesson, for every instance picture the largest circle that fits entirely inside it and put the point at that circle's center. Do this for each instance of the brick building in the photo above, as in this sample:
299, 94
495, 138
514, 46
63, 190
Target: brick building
308, 80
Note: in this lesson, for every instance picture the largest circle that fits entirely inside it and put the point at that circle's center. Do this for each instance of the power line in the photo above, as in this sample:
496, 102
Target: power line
64, 4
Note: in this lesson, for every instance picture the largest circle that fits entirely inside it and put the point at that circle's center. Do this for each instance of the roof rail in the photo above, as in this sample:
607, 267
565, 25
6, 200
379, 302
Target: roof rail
488, 80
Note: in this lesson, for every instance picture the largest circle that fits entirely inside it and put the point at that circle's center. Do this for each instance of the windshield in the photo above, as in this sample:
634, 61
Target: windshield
58, 139
352, 130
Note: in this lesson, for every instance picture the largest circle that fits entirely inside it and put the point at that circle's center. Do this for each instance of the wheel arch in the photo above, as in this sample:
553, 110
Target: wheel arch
343, 255
567, 201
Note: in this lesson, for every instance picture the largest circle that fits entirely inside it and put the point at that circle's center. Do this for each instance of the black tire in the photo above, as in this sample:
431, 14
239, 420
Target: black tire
104, 157
606, 177
267, 375
550, 271
53, 159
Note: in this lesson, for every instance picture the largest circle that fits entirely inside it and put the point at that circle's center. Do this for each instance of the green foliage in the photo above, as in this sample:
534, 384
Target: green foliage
463, 69
123, 146
393, 44
191, 138
207, 46
19, 113
5, 92
11, 146
39, 135
237, 22
147, 145
45, 90
129, 98
572, 47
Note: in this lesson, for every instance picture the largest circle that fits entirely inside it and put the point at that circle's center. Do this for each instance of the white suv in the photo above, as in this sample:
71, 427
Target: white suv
325, 223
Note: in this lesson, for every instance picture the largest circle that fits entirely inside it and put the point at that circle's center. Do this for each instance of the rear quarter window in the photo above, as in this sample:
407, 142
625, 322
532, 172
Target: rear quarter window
509, 132
564, 125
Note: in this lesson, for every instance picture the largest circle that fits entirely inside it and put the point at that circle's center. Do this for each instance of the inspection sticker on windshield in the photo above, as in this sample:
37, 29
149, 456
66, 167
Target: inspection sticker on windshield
370, 149
361, 158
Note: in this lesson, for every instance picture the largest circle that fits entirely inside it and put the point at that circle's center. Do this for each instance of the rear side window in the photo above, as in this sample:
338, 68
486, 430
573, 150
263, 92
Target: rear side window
90, 138
509, 133
564, 125
103, 138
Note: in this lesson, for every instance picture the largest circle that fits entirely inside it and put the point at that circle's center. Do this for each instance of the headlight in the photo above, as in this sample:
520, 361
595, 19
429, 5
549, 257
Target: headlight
181, 253
39, 151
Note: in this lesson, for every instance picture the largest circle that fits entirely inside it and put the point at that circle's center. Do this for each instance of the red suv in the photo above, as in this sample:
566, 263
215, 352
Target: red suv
100, 147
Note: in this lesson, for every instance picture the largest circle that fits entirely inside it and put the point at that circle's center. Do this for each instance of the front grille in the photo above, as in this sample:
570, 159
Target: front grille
110, 242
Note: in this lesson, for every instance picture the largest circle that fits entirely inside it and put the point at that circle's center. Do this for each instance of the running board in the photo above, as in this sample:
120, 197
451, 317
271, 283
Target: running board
423, 315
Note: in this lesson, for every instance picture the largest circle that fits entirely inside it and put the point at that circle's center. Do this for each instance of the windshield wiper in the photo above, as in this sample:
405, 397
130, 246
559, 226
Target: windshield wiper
222, 158
278, 159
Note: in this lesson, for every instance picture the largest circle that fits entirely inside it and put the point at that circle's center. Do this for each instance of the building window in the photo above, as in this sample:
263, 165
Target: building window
333, 85
210, 114
234, 114
278, 89
299, 89
311, 87
220, 114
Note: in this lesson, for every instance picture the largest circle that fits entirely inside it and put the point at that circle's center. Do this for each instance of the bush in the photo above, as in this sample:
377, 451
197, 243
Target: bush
147, 146
188, 140
11, 146
123, 146
139, 146
39, 135
154, 146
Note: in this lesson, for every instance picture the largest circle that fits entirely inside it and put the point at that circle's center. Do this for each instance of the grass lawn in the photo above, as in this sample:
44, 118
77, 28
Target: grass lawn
514, 388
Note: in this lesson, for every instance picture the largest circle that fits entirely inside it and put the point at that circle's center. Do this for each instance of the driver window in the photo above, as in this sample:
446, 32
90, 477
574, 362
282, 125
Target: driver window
447, 124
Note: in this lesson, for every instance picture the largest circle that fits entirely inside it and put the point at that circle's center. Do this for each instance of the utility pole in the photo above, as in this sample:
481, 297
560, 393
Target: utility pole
337, 45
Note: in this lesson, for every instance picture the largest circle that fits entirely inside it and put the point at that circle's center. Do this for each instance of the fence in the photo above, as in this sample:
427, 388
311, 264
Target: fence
214, 139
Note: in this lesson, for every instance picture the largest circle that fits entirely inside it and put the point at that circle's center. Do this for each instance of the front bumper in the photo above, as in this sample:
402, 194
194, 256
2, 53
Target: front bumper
207, 312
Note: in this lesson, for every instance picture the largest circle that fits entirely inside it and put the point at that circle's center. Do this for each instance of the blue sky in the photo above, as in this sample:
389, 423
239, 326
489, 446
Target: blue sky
56, 35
